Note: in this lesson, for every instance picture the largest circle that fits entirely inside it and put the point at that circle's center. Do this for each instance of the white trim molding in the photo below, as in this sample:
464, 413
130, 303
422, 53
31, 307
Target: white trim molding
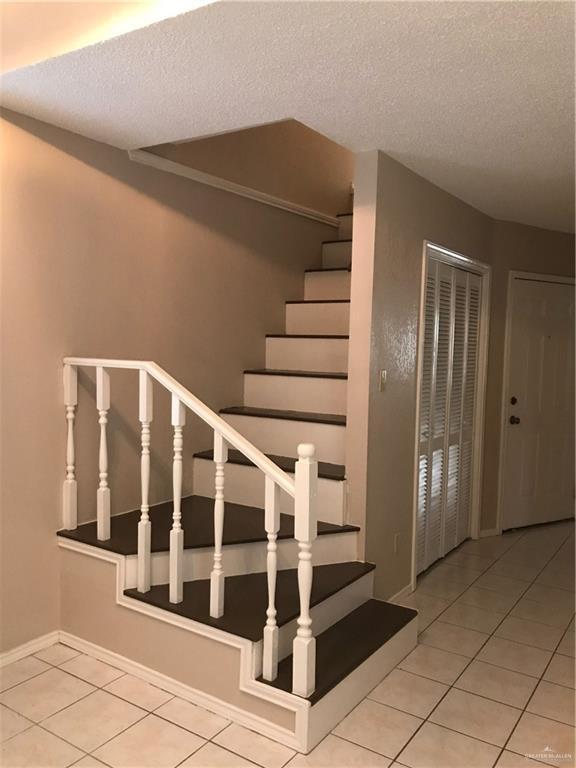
179, 169
26, 649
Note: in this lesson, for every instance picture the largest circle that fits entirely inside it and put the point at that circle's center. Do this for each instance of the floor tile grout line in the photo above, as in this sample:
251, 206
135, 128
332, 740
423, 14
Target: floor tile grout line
473, 658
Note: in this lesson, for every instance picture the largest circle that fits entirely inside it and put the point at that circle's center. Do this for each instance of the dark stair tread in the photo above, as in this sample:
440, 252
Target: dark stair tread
242, 525
340, 215
305, 374
246, 597
319, 301
307, 336
347, 644
329, 269
286, 463
273, 413
329, 242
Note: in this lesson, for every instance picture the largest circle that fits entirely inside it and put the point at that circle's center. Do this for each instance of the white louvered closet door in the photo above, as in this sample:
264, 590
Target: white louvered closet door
447, 404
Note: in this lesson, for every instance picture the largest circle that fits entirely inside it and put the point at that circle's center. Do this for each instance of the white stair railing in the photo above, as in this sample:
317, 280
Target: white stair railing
302, 489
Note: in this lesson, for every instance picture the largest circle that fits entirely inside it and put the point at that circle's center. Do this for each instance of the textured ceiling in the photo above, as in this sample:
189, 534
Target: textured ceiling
476, 97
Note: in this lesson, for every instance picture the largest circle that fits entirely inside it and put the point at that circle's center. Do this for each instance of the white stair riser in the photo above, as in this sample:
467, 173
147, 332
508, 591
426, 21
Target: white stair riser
342, 699
327, 285
345, 228
282, 436
247, 558
329, 611
245, 485
318, 318
307, 354
337, 254
295, 393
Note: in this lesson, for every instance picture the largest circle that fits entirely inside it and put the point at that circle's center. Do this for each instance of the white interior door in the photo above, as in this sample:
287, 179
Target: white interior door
537, 480
448, 386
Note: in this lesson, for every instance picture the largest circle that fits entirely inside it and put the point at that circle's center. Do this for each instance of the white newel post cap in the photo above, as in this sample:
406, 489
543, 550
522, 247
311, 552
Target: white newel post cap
306, 451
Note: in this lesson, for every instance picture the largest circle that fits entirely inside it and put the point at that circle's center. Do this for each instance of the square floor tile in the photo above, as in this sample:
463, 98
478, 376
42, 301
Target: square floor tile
151, 743
426, 605
502, 584
472, 618
138, 692
12, 723
35, 748
553, 701
434, 663
552, 615
455, 639
502, 685
253, 746
213, 756
487, 599
410, 693
94, 720
561, 671
89, 761
45, 694
557, 579
550, 596
515, 570
57, 654
476, 716
21, 670
437, 747
566, 646
378, 727
515, 656
93, 671
512, 760
543, 740
470, 562
193, 718
530, 633
440, 586
452, 572
335, 752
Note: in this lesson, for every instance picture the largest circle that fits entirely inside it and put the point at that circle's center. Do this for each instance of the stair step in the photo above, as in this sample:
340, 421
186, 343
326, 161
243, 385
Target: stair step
347, 644
242, 525
307, 352
246, 597
287, 372
286, 463
337, 253
327, 316
345, 221
296, 391
327, 284
273, 413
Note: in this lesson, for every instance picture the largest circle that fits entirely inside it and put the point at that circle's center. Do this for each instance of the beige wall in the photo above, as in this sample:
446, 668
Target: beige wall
102, 257
408, 210
285, 159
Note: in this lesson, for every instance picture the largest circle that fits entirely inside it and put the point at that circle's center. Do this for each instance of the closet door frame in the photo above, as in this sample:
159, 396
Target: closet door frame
438, 253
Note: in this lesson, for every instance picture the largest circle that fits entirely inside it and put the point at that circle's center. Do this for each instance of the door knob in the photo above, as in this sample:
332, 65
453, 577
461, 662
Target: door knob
514, 420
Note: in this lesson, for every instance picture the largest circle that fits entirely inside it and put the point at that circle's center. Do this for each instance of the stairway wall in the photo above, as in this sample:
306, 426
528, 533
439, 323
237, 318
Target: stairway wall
103, 257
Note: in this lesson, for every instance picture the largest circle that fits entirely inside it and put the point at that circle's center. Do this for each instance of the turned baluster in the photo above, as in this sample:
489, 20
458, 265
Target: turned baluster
144, 526
217, 575
70, 489
272, 524
103, 493
177, 533
305, 531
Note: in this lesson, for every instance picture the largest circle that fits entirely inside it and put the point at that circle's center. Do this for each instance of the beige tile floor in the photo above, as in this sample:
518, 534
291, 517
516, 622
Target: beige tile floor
491, 683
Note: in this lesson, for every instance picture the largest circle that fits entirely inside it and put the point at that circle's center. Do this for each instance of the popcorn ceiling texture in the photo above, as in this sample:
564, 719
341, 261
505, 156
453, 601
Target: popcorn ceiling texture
476, 97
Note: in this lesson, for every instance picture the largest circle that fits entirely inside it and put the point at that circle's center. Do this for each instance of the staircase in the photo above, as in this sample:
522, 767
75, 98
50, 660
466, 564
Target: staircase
220, 564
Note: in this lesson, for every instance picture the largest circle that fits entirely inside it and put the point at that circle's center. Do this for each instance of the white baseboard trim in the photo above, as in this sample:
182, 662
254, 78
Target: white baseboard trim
26, 649
404, 592
490, 532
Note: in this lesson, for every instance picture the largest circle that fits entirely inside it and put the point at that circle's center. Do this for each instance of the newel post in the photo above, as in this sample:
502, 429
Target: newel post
70, 488
272, 524
145, 414
217, 575
305, 531
103, 493
177, 533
